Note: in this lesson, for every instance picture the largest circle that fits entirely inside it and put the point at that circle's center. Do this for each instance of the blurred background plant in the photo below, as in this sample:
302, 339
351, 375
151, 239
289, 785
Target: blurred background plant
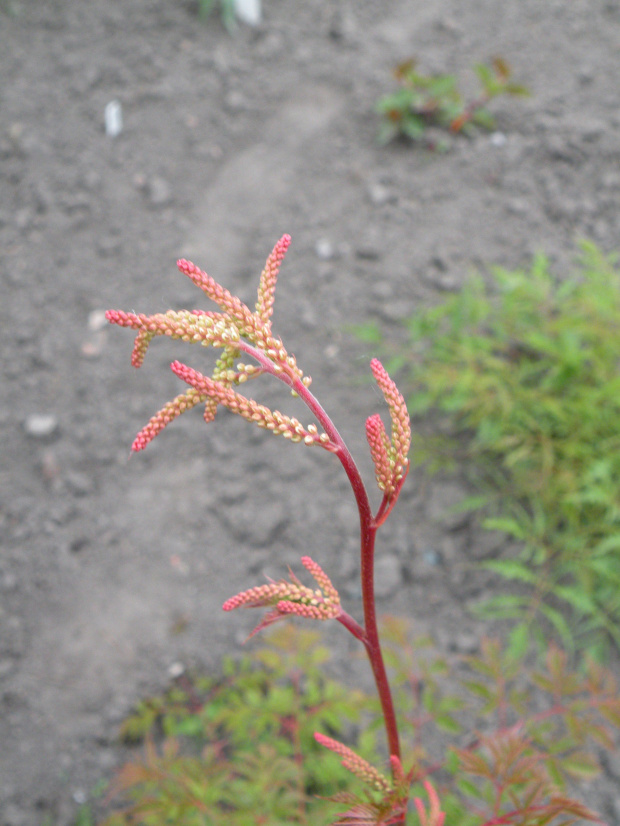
248, 11
241, 745
424, 101
523, 373
229, 749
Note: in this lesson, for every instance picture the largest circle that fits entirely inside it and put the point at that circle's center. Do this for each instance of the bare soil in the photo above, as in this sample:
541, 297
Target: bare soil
228, 142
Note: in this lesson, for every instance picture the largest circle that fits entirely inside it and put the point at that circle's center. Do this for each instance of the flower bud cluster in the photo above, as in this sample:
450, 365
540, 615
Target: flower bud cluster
434, 817
227, 330
389, 455
279, 424
291, 597
269, 277
209, 329
251, 325
163, 417
355, 764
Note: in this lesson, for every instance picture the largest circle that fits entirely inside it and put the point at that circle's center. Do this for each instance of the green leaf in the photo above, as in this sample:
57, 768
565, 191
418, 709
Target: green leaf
468, 787
510, 569
483, 118
577, 598
517, 89
518, 641
506, 525
447, 723
413, 127
581, 765
559, 622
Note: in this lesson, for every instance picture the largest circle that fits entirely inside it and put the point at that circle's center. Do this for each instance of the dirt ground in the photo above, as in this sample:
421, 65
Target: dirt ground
228, 142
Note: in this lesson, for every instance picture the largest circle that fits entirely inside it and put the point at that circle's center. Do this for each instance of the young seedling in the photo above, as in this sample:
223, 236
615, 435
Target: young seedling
424, 101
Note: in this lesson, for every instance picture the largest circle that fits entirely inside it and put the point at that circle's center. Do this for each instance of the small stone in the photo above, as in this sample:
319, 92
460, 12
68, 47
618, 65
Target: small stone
308, 317
159, 192
176, 670
498, 139
324, 249
465, 643
78, 483
13, 637
91, 349
589, 129
113, 119
431, 557
7, 666
97, 320
8, 582
91, 180
586, 75
368, 252
79, 544
13, 816
394, 310
517, 206
382, 289
24, 218
379, 194
109, 246
444, 281
558, 148
236, 101
41, 425
440, 262
611, 180
342, 26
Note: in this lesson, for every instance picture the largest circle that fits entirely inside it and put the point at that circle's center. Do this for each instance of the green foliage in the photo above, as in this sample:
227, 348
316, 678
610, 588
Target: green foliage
435, 100
232, 747
533, 747
227, 11
525, 374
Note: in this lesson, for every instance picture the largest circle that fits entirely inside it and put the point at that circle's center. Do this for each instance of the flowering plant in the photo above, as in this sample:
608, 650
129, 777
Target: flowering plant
241, 333
511, 762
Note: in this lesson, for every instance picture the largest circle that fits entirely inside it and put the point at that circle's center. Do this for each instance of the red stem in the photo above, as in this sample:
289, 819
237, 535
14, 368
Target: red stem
369, 635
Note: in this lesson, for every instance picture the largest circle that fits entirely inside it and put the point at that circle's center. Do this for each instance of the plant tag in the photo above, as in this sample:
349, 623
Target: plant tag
248, 11
113, 118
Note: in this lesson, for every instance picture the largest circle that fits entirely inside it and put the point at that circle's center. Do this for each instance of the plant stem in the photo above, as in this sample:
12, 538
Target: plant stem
368, 530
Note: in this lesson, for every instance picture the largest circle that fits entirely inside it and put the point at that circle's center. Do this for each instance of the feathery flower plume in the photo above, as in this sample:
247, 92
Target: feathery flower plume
269, 277
209, 329
435, 816
380, 449
231, 306
168, 413
278, 423
291, 598
355, 764
233, 329
390, 457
